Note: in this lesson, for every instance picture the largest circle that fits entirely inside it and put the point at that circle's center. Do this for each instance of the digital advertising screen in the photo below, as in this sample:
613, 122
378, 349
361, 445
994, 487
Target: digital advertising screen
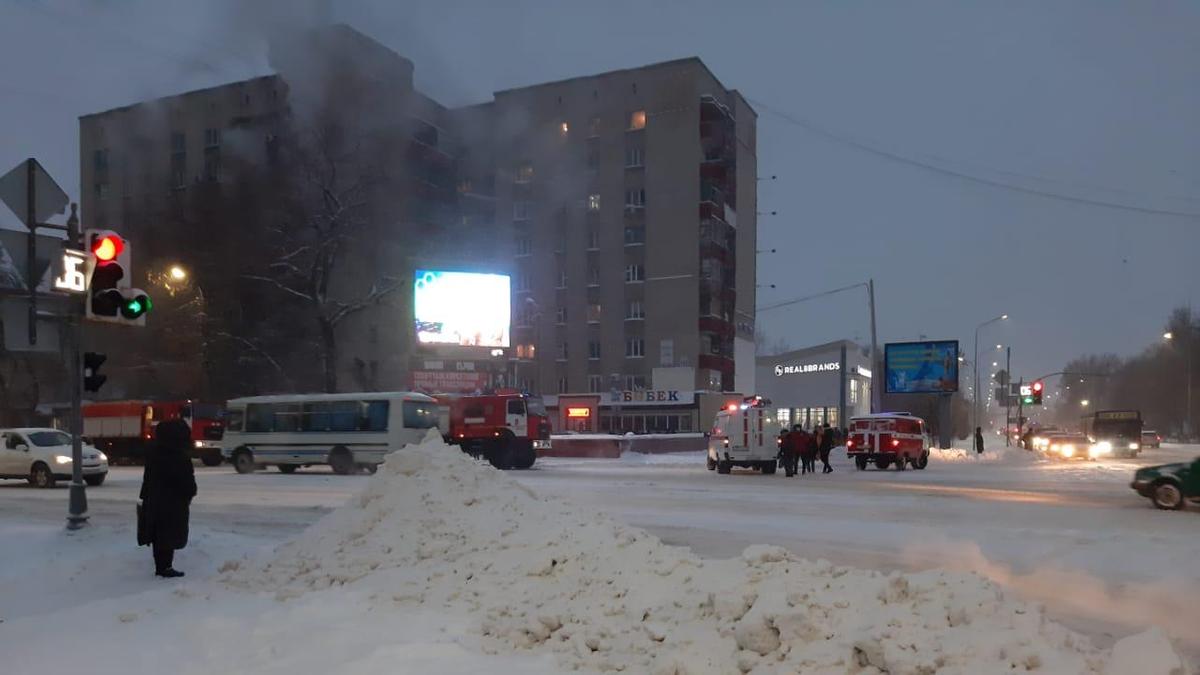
469, 309
921, 367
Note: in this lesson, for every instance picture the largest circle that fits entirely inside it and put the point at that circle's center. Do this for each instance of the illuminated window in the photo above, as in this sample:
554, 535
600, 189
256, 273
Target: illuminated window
593, 313
564, 129
524, 173
593, 202
853, 391
637, 120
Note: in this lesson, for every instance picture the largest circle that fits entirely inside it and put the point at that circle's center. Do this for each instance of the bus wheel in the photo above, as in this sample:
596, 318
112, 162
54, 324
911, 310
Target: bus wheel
288, 468
243, 461
882, 462
922, 461
342, 461
211, 458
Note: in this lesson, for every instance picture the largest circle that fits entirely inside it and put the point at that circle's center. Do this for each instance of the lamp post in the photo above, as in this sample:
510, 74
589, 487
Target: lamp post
975, 402
1187, 376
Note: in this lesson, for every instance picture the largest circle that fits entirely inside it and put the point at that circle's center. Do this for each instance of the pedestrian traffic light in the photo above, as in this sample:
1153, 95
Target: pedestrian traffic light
110, 296
92, 379
1037, 392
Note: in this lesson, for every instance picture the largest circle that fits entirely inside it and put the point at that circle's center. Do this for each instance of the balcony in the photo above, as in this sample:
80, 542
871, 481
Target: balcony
712, 194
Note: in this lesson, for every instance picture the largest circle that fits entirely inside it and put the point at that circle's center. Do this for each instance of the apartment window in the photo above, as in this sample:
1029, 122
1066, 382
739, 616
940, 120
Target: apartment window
524, 245
562, 351
593, 276
465, 186
524, 173
635, 382
637, 120
635, 198
634, 310
100, 164
101, 191
594, 127
594, 350
562, 278
593, 202
178, 160
666, 353
521, 210
560, 315
562, 385
633, 156
560, 239
634, 274
523, 282
595, 384
635, 236
593, 158
593, 239
593, 315
564, 129
635, 348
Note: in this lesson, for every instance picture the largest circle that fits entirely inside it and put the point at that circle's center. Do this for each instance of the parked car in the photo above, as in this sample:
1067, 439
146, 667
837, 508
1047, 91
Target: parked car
43, 457
888, 439
1151, 439
1169, 486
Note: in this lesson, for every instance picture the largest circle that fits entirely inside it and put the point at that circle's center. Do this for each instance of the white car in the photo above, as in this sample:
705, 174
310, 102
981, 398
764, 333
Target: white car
42, 456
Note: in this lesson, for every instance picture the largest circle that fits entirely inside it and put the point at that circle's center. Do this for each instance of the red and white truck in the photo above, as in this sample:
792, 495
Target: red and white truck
507, 429
125, 429
888, 439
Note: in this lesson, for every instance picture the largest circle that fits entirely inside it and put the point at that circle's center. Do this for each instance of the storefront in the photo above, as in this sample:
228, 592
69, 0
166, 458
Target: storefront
652, 411
825, 384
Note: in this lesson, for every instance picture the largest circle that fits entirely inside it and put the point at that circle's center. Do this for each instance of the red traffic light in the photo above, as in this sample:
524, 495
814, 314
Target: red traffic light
107, 248
1037, 386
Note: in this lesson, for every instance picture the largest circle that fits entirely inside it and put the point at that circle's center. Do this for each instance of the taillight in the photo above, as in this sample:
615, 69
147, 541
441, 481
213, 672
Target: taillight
895, 442
779, 442
850, 444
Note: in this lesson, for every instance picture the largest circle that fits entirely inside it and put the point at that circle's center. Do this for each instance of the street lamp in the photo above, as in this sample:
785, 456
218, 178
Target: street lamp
975, 402
1084, 402
1187, 376
177, 273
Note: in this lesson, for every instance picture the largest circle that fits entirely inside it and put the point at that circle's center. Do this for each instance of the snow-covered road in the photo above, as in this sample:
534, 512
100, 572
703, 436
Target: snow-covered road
1073, 535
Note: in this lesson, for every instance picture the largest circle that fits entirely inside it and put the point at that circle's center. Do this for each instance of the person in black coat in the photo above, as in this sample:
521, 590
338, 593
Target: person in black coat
168, 486
825, 448
978, 440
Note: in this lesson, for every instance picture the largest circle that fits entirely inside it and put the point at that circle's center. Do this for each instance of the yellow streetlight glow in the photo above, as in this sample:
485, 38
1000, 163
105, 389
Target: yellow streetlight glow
177, 273
1168, 335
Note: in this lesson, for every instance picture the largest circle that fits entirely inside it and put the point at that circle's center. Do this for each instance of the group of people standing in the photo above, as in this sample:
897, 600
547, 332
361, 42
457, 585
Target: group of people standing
799, 449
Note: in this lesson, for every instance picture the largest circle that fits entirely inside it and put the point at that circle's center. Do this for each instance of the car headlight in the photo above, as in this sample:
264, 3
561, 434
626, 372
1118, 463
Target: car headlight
1098, 449
198, 444
1133, 446
62, 459
1068, 450
103, 457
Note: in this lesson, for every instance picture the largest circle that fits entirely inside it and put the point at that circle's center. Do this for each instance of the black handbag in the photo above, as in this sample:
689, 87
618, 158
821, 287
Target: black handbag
143, 534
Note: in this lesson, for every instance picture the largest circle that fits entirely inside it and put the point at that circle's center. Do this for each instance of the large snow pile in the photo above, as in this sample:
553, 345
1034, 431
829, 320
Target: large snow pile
435, 530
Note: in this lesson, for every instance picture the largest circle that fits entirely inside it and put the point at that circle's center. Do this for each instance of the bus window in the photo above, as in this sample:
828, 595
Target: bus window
343, 416
316, 417
234, 420
259, 417
420, 415
377, 416
287, 417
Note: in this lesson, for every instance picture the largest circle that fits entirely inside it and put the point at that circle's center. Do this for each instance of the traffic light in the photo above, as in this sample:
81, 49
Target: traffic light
1037, 392
110, 297
92, 379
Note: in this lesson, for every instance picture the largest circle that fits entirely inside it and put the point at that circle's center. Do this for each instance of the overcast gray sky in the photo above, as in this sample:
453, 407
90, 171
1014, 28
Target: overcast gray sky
893, 128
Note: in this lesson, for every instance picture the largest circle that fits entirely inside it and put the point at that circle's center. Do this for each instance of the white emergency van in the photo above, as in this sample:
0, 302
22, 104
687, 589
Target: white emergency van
744, 435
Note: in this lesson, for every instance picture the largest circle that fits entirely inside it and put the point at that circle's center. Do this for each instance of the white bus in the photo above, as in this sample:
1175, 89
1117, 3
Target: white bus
349, 432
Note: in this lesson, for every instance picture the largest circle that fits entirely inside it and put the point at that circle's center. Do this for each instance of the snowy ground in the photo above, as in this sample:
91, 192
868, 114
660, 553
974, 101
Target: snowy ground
1072, 536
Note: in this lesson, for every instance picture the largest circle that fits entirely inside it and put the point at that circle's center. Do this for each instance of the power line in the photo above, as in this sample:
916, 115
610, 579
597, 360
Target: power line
930, 166
795, 301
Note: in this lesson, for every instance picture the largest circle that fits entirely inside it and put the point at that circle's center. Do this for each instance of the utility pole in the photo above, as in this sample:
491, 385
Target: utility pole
1008, 391
77, 515
31, 220
1020, 413
876, 376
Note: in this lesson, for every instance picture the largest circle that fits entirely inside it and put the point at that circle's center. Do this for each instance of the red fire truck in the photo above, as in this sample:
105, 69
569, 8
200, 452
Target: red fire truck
887, 439
507, 429
125, 429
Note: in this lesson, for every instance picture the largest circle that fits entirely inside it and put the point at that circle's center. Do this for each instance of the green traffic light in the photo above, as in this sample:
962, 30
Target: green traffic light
135, 307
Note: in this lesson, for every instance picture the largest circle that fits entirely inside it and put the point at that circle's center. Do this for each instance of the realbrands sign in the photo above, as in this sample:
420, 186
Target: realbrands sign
805, 368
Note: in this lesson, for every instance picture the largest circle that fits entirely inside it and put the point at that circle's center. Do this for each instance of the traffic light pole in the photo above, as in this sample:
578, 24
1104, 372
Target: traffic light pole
77, 515
1008, 395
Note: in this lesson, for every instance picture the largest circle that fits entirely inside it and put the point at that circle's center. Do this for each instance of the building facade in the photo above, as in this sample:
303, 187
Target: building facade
623, 205
824, 384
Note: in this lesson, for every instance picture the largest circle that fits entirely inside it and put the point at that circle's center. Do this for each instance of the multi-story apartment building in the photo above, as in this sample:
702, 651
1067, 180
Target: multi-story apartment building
622, 204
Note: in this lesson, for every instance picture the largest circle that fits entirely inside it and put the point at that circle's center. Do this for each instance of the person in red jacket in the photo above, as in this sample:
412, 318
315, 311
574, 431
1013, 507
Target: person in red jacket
808, 450
788, 451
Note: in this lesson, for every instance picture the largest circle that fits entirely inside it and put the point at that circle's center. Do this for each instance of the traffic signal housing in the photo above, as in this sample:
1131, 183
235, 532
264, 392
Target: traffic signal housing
92, 379
110, 296
1037, 390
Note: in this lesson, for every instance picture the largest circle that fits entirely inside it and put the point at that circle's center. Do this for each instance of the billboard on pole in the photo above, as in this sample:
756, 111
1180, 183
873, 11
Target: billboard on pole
468, 309
921, 367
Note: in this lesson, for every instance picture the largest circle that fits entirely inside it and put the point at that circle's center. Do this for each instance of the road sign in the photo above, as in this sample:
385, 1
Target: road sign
49, 198
74, 272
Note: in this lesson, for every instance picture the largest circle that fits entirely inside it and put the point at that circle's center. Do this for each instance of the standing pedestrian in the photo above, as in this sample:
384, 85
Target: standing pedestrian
979, 440
787, 451
808, 450
825, 448
168, 486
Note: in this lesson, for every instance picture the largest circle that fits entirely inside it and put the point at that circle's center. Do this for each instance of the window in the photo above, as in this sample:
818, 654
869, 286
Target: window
212, 154
594, 350
562, 385
417, 415
593, 239
562, 278
595, 384
560, 315
524, 245
100, 164
593, 314
49, 439
101, 191
634, 274
635, 198
593, 158
635, 348
515, 406
594, 127
562, 351
635, 236
524, 173
853, 391
635, 383
593, 202
637, 120
666, 353
521, 210
593, 276
234, 420
633, 156
634, 310
564, 129
523, 282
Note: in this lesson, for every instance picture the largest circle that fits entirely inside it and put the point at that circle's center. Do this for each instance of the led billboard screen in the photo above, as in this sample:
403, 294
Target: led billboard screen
468, 309
921, 367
